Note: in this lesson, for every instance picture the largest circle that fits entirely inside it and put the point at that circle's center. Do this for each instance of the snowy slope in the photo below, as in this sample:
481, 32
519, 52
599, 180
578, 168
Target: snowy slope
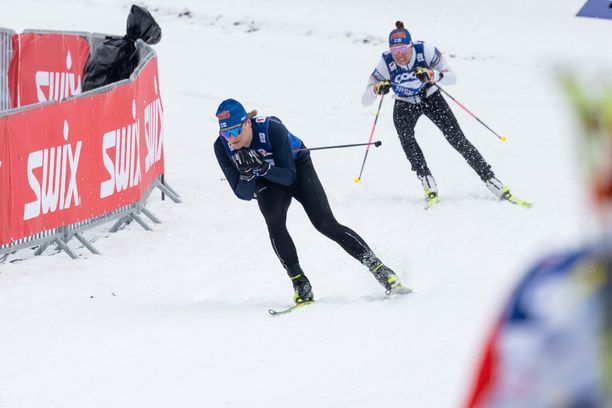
178, 317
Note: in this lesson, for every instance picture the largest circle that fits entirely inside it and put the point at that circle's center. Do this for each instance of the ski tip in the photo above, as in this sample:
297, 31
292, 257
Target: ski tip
503, 138
432, 202
289, 309
520, 203
357, 180
399, 290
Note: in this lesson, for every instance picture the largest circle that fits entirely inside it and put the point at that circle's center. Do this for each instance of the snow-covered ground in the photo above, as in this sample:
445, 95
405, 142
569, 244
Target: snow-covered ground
178, 317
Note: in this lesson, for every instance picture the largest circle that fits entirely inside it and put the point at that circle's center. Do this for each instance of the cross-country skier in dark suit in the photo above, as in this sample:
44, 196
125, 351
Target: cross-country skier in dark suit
259, 159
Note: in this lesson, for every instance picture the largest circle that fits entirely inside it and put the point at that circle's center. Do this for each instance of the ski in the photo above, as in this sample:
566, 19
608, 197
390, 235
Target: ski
290, 309
516, 200
507, 197
430, 200
398, 290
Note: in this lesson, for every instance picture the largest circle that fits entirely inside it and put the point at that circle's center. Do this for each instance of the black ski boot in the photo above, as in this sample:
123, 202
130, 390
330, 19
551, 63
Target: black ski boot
383, 274
301, 285
386, 277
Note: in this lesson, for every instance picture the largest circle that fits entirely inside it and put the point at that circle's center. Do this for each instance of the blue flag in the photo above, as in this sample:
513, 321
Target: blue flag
596, 9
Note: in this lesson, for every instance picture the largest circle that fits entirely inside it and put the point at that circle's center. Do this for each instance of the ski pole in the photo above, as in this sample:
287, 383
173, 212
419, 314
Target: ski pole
502, 138
358, 179
376, 144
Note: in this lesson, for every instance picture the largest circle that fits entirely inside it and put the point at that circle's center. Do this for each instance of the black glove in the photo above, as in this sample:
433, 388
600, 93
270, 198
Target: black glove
382, 87
425, 75
260, 166
241, 161
250, 163
247, 175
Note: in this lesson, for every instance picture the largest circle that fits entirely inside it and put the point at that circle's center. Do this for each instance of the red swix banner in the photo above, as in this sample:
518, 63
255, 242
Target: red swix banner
46, 67
69, 161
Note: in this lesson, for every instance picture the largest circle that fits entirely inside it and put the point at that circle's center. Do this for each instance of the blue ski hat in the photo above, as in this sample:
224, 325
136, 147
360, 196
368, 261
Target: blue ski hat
400, 35
230, 113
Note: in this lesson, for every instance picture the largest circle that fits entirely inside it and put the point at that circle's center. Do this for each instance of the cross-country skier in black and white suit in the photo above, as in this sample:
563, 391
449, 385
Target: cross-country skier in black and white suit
410, 69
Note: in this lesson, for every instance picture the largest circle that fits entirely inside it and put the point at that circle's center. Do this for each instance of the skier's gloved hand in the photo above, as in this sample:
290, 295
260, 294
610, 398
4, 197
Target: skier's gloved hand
259, 165
425, 75
241, 160
247, 175
382, 87
250, 163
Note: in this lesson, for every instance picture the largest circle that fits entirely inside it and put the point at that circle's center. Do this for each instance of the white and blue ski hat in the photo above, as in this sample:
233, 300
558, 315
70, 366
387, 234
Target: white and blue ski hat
400, 35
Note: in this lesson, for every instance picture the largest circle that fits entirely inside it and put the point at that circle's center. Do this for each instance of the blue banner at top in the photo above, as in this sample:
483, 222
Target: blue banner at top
596, 9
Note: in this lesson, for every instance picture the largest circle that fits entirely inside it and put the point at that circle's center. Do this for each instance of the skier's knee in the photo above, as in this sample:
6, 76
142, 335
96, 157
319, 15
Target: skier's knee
326, 226
275, 219
407, 137
457, 139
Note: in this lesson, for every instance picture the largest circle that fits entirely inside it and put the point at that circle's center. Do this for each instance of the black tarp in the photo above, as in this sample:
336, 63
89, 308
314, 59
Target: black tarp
117, 58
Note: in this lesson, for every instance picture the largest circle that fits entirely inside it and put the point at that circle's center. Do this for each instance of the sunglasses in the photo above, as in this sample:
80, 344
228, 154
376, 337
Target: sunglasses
400, 49
235, 132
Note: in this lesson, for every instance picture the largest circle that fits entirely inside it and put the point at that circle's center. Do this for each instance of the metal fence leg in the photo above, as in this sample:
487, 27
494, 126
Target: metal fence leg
42, 248
86, 243
169, 187
120, 222
169, 193
61, 244
140, 221
149, 214
162, 178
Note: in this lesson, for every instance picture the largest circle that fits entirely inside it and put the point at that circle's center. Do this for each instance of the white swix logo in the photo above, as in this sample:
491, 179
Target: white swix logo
153, 124
57, 85
124, 170
59, 187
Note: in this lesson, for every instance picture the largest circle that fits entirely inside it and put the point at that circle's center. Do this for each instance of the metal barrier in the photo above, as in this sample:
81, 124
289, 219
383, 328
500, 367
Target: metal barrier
132, 212
6, 53
121, 216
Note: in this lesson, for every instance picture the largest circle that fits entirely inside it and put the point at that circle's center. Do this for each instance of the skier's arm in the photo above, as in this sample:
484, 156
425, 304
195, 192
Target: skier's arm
283, 170
244, 190
442, 71
381, 73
